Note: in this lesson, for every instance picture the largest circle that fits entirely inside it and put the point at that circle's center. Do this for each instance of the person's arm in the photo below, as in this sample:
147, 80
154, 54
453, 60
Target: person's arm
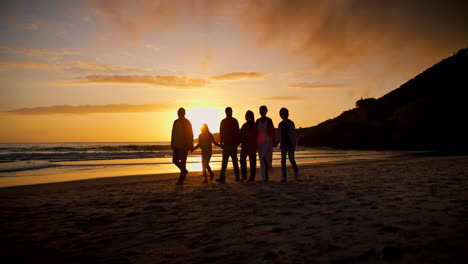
278, 138
237, 133
172, 134
293, 135
272, 132
189, 135
221, 133
214, 141
198, 144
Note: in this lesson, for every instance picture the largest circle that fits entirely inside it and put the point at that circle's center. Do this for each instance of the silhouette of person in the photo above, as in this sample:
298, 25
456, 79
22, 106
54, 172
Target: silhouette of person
248, 146
229, 139
287, 138
205, 140
181, 143
265, 141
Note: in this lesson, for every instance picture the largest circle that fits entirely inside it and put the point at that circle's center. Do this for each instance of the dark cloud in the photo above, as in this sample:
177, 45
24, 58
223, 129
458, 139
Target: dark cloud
337, 33
330, 35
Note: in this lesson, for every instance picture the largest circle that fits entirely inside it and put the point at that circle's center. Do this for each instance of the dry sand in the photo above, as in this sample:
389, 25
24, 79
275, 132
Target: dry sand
409, 209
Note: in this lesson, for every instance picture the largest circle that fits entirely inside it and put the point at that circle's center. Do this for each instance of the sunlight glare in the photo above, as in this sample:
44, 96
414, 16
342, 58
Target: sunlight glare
198, 116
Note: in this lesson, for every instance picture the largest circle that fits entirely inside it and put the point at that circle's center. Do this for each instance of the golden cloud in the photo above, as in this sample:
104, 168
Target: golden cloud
152, 47
6, 65
91, 109
54, 53
154, 80
89, 66
164, 80
285, 98
305, 85
238, 75
73, 66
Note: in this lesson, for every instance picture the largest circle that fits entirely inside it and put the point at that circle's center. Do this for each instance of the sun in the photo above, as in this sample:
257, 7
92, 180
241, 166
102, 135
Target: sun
199, 116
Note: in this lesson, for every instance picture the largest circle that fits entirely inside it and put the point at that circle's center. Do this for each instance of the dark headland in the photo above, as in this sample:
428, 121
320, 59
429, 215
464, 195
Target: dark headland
427, 112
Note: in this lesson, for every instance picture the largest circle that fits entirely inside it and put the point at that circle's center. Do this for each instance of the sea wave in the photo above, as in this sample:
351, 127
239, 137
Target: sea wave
25, 165
74, 156
92, 148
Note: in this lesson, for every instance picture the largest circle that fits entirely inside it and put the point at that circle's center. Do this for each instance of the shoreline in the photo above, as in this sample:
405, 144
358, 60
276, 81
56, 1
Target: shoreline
229, 171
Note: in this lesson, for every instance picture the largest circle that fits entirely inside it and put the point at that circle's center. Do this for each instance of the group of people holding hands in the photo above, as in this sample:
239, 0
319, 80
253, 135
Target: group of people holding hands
254, 136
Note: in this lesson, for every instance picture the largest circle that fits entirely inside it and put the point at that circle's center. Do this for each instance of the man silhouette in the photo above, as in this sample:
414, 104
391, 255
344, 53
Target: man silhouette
229, 139
181, 143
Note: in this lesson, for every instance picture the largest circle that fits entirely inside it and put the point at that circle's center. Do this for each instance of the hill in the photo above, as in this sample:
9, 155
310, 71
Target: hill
427, 112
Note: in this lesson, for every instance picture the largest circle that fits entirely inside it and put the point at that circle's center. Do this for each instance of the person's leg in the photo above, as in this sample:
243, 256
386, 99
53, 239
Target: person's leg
204, 166
267, 169
179, 160
263, 165
235, 163
209, 167
183, 162
176, 158
293, 162
253, 164
284, 173
269, 161
243, 163
222, 174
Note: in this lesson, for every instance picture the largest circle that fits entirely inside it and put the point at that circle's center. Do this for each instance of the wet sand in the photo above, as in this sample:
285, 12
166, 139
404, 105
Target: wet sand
407, 209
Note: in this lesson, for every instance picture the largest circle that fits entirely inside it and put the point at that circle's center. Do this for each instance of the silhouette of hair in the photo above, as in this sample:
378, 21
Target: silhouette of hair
284, 113
249, 116
181, 112
204, 128
228, 111
263, 110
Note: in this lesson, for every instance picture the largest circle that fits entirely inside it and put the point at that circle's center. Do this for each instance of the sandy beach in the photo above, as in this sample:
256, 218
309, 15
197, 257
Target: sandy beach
401, 210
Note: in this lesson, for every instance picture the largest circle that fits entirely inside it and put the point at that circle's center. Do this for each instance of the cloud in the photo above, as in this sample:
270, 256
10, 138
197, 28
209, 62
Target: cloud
73, 66
374, 37
305, 85
48, 53
154, 80
152, 47
91, 109
90, 66
285, 98
6, 65
207, 60
238, 75
336, 34
136, 17
163, 80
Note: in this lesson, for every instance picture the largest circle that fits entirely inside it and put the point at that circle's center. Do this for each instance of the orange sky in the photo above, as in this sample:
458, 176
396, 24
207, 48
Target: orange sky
118, 70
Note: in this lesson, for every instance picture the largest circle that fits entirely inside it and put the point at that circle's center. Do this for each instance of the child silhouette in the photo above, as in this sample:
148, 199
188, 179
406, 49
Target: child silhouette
205, 139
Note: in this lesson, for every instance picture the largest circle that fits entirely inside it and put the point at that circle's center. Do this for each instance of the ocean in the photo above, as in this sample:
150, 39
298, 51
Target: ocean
34, 163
